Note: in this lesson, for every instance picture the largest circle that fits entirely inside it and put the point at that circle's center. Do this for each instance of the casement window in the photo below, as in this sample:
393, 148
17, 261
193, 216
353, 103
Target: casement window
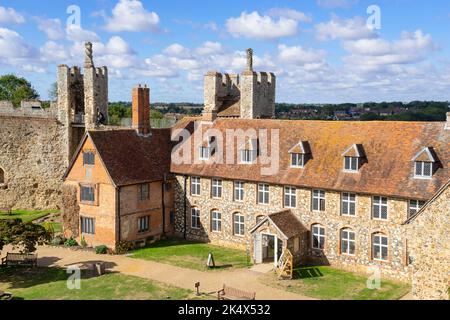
380, 208
318, 237
88, 159
239, 224
414, 207
144, 192
205, 153
379, 247
195, 186
172, 217
423, 169
195, 218
143, 224
351, 164
247, 156
216, 188
87, 194
348, 205
238, 191
263, 193
87, 225
216, 221
297, 160
318, 200
290, 197
348, 242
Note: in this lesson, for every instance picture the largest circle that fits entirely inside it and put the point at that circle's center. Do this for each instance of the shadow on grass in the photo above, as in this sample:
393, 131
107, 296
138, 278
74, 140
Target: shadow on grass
306, 273
171, 242
220, 267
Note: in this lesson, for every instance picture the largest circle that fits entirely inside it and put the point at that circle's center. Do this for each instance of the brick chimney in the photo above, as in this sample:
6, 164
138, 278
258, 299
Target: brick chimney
141, 110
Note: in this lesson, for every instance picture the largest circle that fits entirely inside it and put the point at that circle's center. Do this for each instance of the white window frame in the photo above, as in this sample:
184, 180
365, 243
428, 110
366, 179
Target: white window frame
351, 164
195, 218
216, 221
143, 224
377, 201
299, 160
346, 198
247, 156
316, 234
204, 153
421, 174
196, 182
238, 224
380, 246
290, 197
238, 193
319, 196
87, 225
414, 205
264, 190
346, 239
216, 188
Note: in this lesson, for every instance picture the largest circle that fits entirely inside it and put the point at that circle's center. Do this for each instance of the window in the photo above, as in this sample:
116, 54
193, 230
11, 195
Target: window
172, 217
144, 224
263, 193
87, 194
239, 224
238, 191
318, 200
2, 176
297, 160
144, 192
247, 156
318, 237
423, 169
380, 208
216, 221
195, 218
87, 225
348, 242
88, 158
351, 164
195, 186
216, 188
415, 206
348, 207
380, 247
290, 197
205, 153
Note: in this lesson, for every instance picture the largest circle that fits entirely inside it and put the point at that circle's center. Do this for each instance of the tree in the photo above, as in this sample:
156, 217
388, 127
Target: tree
16, 89
20, 234
53, 91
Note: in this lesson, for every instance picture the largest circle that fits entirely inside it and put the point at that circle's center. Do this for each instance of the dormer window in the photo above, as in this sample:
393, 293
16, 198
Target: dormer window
249, 152
300, 154
353, 158
205, 153
424, 163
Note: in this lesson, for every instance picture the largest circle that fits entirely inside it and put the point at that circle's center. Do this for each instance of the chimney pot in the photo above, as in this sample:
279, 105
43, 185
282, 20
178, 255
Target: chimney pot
141, 110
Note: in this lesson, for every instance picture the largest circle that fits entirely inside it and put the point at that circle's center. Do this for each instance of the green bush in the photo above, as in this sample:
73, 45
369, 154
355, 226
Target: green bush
83, 242
71, 243
101, 250
124, 247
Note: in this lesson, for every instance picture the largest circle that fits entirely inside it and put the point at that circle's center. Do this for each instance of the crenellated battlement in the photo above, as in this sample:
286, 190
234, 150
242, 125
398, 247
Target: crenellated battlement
27, 109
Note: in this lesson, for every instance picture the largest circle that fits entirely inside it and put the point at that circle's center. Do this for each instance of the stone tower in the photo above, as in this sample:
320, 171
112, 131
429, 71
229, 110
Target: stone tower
250, 95
82, 100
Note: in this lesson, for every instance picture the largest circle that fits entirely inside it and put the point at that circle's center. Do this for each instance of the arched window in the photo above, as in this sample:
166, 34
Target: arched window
2, 176
318, 236
348, 242
239, 224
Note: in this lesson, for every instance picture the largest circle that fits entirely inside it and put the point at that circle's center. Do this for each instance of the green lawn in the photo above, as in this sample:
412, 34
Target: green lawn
332, 284
26, 216
51, 284
192, 255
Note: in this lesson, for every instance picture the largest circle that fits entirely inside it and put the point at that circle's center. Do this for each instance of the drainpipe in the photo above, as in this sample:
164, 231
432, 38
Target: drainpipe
185, 207
163, 187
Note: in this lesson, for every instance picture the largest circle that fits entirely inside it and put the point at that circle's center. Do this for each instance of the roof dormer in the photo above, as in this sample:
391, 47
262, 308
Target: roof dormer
354, 157
248, 151
300, 154
425, 163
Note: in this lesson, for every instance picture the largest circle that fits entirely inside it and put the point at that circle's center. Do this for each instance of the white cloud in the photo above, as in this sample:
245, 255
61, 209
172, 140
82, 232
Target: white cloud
130, 15
77, 34
253, 25
54, 52
350, 29
13, 46
209, 48
52, 28
290, 14
300, 56
337, 3
9, 15
177, 50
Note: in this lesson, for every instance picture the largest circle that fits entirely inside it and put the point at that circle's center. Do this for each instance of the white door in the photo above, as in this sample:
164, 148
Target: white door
257, 246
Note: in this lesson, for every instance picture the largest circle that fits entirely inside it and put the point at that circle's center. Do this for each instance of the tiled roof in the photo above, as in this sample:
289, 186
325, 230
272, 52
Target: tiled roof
133, 159
389, 148
230, 109
288, 223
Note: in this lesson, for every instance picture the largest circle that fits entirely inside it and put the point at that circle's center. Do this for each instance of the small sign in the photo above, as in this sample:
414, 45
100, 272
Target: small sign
211, 263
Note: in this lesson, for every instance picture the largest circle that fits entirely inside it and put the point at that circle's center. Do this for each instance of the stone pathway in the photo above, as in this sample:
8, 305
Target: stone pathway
246, 279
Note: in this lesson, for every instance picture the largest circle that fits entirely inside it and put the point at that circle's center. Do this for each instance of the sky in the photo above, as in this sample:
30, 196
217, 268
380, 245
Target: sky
322, 51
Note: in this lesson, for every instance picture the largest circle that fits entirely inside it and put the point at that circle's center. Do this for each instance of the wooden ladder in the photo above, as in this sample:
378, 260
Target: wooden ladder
285, 265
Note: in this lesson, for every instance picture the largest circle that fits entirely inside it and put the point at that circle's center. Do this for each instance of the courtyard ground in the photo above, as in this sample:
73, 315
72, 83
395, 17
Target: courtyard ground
26, 216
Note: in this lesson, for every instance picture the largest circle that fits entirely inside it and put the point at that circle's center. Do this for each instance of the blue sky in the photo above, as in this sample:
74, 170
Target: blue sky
321, 50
